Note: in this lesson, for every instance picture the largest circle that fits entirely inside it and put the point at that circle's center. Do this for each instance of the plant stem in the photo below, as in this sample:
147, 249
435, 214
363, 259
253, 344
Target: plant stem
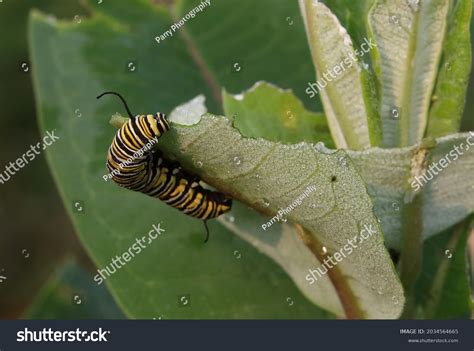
459, 231
412, 251
346, 296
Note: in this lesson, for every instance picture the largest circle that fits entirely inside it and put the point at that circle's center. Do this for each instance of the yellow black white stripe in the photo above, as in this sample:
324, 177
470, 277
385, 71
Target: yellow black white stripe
154, 175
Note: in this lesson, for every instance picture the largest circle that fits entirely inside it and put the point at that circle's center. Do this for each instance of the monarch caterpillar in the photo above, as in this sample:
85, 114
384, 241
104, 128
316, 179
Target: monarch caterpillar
152, 174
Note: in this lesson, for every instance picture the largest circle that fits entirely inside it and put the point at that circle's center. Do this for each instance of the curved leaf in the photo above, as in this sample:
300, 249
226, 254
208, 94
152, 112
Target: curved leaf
342, 93
447, 198
453, 78
409, 38
277, 115
336, 211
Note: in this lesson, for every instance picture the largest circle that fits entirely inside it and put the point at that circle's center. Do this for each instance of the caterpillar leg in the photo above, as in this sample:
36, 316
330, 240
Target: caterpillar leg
207, 231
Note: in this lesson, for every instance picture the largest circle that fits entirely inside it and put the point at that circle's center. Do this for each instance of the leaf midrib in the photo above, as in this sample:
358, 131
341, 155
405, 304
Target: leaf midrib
408, 85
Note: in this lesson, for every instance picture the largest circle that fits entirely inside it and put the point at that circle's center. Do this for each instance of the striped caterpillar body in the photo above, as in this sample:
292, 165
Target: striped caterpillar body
136, 165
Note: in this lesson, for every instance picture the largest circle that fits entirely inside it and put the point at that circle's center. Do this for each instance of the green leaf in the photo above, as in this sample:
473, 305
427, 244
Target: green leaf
443, 288
447, 198
353, 17
339, 77
259, 43
450, 93
73, 63
71, 293
244, 174
332, 214
282, 243
409, 38
276, 115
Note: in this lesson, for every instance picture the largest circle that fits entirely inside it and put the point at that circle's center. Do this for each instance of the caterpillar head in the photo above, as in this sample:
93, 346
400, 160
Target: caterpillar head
225, 202
149, 126
161, 121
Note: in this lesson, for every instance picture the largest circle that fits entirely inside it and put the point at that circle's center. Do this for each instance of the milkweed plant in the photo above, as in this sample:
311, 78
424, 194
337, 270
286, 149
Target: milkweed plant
333, 125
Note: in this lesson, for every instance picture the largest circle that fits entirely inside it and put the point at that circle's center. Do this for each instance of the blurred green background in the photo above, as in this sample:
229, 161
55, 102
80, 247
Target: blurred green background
39, 251
40, 256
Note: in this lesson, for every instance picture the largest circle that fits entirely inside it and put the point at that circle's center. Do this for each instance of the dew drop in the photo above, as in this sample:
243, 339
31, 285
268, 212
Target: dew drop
324, 250
198, 164
395, 19
237, 160
395, 112
448, 253
266, 203
284, 220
